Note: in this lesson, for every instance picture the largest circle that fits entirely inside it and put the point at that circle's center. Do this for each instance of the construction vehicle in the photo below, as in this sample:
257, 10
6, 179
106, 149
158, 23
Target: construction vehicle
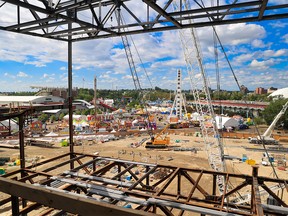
161, 140
266, 137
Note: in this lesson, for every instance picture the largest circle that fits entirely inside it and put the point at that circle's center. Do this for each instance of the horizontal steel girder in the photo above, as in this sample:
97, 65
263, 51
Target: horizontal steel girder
110, 187
94, 19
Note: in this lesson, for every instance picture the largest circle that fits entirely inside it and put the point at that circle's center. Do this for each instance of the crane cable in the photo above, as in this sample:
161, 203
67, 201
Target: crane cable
237, 82
141, 91
148, 78
245, 101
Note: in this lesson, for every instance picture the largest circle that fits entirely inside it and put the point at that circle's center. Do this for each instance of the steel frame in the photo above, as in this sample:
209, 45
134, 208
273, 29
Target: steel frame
94, 19
99, 184
86, 188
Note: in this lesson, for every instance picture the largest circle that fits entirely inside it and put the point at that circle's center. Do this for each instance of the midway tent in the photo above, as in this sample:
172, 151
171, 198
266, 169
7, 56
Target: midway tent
223, 121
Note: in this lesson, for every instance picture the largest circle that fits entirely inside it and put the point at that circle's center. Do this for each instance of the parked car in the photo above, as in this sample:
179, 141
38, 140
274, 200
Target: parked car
243, 126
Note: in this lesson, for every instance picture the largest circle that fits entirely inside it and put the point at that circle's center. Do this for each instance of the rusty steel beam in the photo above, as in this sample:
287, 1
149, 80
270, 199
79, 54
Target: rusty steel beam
190, 179
256, 199
169, 180
154, 197
58, 200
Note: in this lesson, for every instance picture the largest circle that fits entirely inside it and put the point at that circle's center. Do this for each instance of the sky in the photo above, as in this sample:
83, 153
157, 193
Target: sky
258, 53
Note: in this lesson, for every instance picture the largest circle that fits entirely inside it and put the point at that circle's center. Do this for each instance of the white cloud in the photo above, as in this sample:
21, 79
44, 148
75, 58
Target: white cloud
281, 52
236, 34
258, 43
9, 75
285, 37
22, 74
278, 24
260, 65
161, 53
105, 76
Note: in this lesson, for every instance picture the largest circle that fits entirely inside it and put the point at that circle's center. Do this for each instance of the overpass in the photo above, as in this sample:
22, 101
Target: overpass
236, 106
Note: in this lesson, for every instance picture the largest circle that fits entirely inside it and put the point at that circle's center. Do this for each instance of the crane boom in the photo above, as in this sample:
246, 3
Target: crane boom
129, 55
269, 130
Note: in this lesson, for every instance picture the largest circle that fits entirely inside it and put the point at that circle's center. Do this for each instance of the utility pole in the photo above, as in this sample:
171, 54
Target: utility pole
95, 101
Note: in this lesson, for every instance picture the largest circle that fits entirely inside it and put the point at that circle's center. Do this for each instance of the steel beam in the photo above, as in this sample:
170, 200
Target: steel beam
245, 12
60, 200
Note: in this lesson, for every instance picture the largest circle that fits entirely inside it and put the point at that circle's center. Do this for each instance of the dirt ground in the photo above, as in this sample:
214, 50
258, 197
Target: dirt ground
122, 149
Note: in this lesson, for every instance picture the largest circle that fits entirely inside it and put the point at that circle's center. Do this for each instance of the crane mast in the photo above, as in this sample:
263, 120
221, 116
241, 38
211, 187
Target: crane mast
198, 82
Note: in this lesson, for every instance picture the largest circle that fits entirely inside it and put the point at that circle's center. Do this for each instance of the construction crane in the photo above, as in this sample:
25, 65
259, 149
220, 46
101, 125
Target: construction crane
213, 143
266, 137
199, 81
160, 140
128, 53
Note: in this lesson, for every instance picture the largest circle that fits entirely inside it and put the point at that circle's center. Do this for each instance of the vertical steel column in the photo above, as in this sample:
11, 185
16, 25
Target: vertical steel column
147, 178
95, 102
70, 96
256, 206
15, 205
22, 156
179, 185
21, 143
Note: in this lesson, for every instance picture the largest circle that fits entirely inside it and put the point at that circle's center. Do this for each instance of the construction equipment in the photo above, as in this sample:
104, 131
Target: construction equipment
128, 53
266, 137
161, 140
198, 80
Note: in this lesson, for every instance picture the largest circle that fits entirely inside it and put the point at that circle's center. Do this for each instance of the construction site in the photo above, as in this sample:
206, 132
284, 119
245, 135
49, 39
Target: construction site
179, 171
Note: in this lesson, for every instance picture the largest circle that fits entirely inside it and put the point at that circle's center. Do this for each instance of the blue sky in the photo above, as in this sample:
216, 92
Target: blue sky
258, 53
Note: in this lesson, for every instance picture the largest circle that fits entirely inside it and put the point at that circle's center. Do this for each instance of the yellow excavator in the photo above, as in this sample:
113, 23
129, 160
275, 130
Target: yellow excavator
160, 140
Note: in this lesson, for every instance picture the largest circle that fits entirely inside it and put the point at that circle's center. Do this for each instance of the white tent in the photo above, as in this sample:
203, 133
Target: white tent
51, 134
13, 124
196, 117
222, 121
76, 117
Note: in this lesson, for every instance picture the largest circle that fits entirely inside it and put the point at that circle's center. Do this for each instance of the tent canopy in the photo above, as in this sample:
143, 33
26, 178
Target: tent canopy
222, 121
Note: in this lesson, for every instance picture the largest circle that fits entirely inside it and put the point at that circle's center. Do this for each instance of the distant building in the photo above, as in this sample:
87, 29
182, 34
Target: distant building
271, 89
64, 93
29, 100
244, 89
260, 91
54, 91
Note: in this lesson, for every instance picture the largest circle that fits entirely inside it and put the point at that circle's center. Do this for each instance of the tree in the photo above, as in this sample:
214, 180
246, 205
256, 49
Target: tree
61, 116
43, 117
52, 118
272, 110
157, 88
